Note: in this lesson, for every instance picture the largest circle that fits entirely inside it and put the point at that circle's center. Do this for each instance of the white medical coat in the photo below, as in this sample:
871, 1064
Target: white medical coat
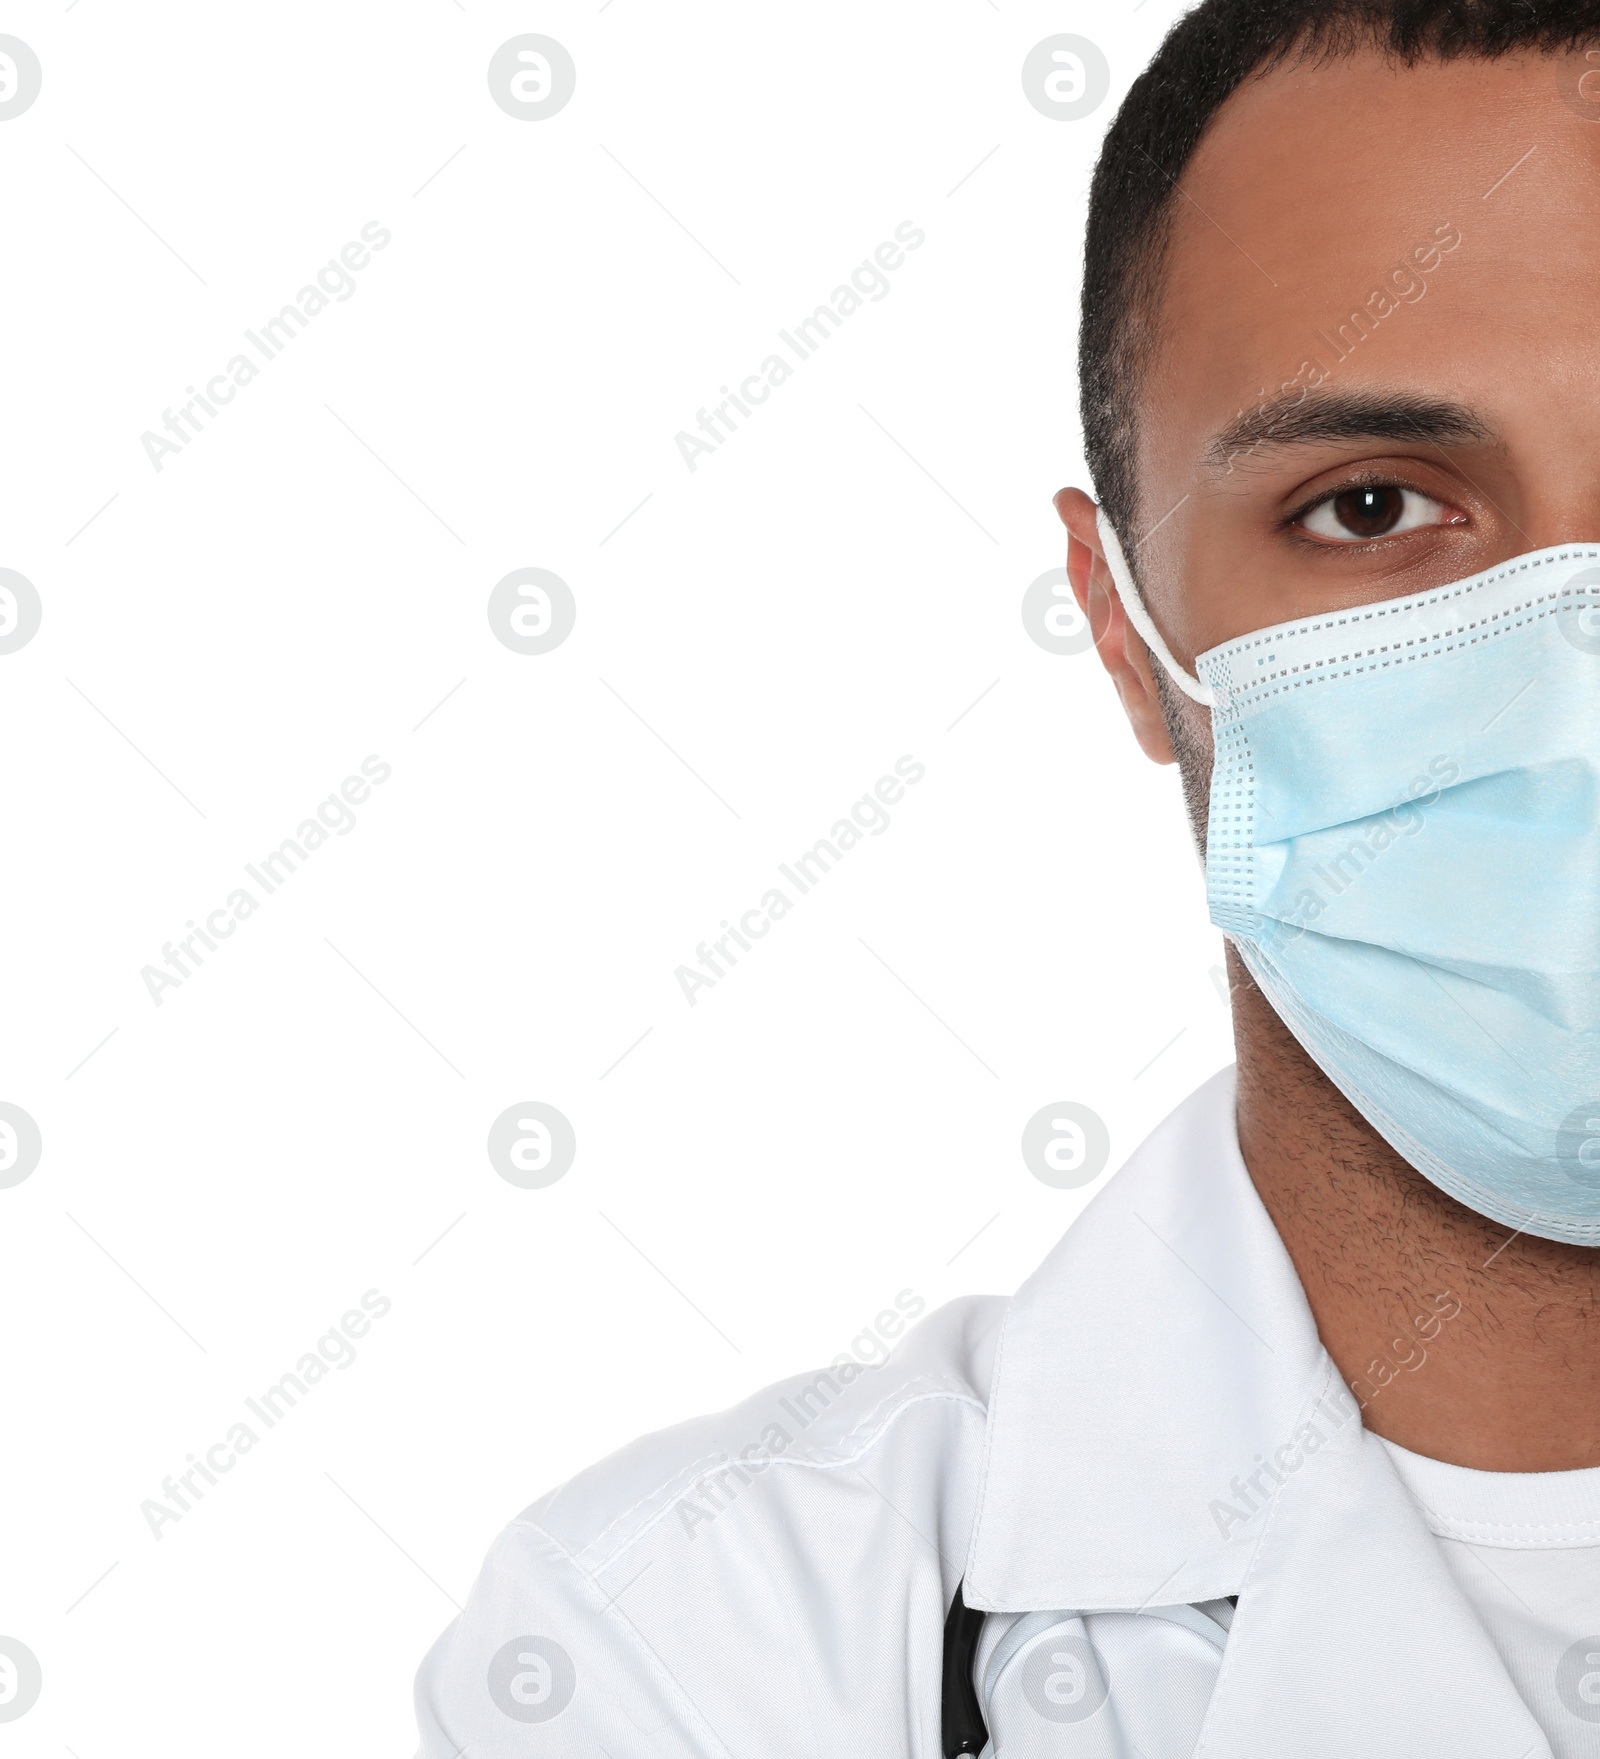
1151, 1425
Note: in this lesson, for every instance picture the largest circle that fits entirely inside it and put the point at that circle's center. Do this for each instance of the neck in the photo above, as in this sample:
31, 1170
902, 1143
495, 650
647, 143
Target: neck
1463, 1341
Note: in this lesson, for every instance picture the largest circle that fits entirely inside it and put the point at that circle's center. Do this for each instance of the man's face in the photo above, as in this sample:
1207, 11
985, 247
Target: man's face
1379, 359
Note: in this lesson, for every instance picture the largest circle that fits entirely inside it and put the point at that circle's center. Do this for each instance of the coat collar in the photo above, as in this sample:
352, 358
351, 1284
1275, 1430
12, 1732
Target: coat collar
1165, 1426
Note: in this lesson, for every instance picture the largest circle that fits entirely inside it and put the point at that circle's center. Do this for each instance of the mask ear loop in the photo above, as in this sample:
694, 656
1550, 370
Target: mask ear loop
1134, 607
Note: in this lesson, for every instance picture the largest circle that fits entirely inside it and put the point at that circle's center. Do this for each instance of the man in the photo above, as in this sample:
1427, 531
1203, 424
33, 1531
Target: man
1292, 1446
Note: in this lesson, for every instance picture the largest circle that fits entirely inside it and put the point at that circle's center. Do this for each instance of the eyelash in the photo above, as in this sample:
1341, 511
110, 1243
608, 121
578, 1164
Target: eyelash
1324, 496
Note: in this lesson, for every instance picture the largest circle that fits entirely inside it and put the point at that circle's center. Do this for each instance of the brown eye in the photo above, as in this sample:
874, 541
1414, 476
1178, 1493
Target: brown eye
1369, 512
1380, 510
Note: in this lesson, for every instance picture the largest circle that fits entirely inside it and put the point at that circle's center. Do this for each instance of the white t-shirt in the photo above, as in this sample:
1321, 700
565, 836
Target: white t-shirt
1524, 1547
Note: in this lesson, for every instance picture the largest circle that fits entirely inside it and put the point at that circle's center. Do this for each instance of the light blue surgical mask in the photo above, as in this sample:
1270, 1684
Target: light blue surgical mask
1404, 846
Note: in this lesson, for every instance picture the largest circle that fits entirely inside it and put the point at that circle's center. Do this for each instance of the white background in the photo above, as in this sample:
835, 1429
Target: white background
757, 642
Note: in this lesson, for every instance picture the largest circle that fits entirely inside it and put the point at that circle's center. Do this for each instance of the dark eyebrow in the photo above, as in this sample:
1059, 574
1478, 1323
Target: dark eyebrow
1306, 419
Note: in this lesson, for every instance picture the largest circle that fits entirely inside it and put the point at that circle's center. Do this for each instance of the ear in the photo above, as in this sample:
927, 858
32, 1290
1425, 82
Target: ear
1117, 642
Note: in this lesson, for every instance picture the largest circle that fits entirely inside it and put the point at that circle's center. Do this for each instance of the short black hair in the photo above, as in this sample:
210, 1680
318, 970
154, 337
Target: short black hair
1207, 56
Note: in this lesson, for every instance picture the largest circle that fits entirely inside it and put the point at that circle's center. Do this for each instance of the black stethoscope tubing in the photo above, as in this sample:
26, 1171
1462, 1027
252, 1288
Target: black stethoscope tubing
961, 1725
